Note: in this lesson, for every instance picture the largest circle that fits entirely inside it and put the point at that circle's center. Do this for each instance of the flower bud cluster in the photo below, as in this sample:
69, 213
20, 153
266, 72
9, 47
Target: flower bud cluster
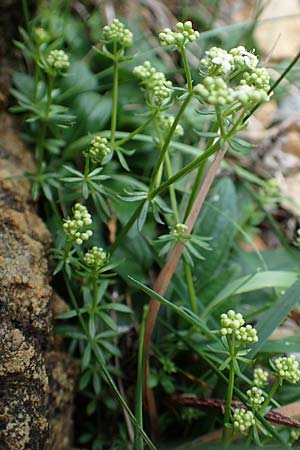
258, 78
74, 228
256, 397
116, 32
287, 367
260, 377
179, 231
41, 35
178, 39
158, 89
247, 334
294, 436
165, 122
230, 322
58, 60
243, 420
96, 257
215, 91
97, 149
250, 95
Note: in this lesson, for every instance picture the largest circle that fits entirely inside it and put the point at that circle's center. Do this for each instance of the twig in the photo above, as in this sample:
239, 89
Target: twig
165, 276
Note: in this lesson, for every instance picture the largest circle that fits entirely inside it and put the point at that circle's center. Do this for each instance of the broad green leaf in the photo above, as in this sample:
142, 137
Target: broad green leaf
248, 283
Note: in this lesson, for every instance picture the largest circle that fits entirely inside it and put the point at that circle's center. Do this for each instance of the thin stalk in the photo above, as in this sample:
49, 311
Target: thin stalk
106, 375
139, 442
187, 70
230, 388
115, 96
195, 188
270, 396
39, 151
127, 227
164, 150
181, 173
186, 169
191, 288
167, 161
137, 130
26, 14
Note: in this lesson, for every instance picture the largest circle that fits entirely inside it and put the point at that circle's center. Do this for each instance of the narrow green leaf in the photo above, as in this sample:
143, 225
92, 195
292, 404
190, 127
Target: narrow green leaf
272, 318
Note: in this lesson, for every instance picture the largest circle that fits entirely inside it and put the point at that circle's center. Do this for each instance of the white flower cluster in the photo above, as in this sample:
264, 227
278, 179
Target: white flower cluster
256, 397
242, 57
158, 89
260, 377
97, 149
58, 60
219, 64
215, 91
218, 61
179, 231
247, 334
177, 39
232, 323
116, 32
287, 367
74, 228
243, 420
96, 257
165, 122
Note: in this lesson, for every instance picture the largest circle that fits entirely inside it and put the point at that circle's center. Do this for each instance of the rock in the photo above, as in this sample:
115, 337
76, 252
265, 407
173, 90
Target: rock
36, 382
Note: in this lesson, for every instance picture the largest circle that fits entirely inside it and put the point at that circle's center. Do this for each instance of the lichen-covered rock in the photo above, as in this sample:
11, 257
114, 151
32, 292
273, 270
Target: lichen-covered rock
36, 382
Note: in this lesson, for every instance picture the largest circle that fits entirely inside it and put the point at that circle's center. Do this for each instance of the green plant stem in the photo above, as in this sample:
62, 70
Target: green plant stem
270, 396
139, 443
186, 169
187, 70
26, 14
181, 173
230, 388
191, 288
154, 178
168, 166
115, 96
106, 375
195, 189
137, 130
40, 147
127, 227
